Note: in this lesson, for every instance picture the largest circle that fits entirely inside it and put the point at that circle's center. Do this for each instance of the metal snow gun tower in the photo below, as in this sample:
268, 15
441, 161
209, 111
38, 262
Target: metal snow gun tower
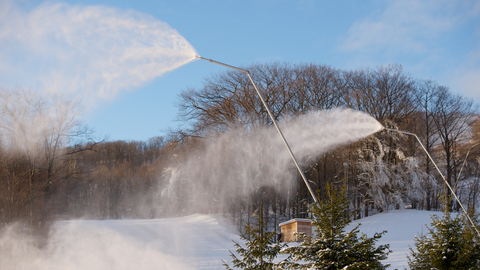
273, 121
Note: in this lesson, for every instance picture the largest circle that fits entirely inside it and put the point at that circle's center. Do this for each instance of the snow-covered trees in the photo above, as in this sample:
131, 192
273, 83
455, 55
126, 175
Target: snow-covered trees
332, 247
450, 244
387, 177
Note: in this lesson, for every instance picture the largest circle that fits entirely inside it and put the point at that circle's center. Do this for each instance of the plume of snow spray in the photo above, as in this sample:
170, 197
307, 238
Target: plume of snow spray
93, 50
237, 162
240, 161
88, 51
94, 245
30, 121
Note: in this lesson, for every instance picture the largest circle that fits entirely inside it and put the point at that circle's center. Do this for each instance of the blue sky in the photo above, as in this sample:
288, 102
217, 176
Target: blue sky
430, 39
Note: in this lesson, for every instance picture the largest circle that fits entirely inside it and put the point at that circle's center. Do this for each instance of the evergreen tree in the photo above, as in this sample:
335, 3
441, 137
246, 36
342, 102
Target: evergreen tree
260, 250
332, 247
452, 244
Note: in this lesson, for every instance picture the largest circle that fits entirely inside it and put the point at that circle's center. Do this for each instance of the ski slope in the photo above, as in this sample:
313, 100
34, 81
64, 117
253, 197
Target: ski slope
402, 227
192, 242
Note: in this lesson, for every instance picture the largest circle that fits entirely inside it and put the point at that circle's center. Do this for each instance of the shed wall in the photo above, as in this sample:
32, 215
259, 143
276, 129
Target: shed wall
295, 227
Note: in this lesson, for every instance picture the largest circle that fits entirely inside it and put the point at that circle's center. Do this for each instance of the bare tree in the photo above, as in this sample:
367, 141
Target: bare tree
38, 127
476, 131
386, 93
228, 99
427, 97
453, 117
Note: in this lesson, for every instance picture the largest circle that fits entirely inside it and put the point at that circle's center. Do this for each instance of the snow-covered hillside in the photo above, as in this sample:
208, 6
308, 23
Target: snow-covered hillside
192, 242
402, 227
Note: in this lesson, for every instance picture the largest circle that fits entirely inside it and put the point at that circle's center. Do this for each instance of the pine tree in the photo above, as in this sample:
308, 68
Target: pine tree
332, 247
260, 250
450, 244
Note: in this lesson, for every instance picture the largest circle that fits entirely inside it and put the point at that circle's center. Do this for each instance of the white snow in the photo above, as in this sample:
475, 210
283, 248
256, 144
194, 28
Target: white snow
192, 242
402, 227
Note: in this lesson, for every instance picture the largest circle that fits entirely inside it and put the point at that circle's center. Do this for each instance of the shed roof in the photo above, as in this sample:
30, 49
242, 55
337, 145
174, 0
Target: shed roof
295, 220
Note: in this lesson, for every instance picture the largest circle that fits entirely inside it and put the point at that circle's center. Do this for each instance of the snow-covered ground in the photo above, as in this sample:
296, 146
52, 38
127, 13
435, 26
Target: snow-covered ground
192, 242
402, 227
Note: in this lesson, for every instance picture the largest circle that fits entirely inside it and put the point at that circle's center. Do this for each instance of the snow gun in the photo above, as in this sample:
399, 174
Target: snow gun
271, 117
443, 177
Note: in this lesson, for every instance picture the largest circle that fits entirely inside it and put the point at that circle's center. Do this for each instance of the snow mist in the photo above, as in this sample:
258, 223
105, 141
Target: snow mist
241, 161
117, 245
91, 51
232, 164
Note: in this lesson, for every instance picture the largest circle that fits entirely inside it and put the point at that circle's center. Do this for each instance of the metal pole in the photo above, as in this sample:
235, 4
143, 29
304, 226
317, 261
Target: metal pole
443, 177
273, 120
463, 164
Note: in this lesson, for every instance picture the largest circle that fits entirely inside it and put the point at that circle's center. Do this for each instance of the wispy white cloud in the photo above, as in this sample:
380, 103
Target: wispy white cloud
468, 83
466, 77
93, 50
404, 26
423, 36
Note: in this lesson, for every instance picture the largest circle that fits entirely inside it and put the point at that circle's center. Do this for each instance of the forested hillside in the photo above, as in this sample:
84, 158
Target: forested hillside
53, 168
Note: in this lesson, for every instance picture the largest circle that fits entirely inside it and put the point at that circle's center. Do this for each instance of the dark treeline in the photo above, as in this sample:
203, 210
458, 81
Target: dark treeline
51, 168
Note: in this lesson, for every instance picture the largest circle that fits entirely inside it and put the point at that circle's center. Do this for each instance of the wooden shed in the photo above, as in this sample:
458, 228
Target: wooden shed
296, 225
